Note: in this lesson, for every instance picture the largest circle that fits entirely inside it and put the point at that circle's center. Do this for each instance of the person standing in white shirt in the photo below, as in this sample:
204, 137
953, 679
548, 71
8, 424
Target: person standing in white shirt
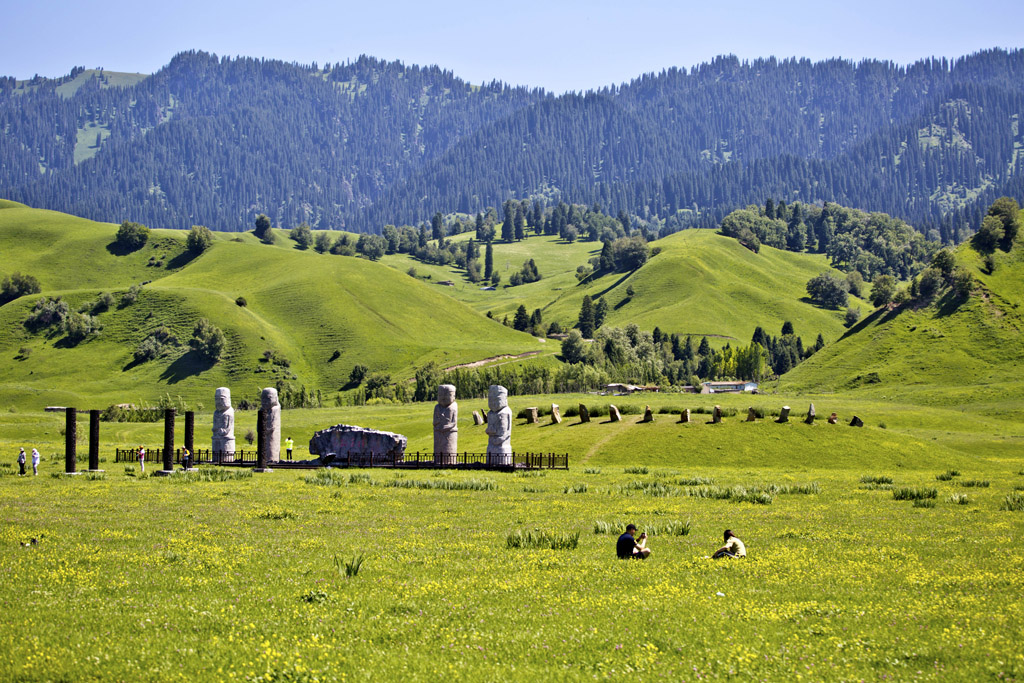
35, 462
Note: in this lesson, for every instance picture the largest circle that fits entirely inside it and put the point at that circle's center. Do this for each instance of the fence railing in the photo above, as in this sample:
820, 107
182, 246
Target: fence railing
417, 460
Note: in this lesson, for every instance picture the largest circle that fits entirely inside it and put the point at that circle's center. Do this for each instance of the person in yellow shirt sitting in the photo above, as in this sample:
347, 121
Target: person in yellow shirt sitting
733, 547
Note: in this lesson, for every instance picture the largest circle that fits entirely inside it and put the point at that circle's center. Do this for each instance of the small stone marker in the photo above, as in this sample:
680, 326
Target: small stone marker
613, 414
751, 415
810, 415
684, 417
584, 414
716, 416
483, 416
783, 415
478, 419
531, 415
856, 422
556, 417
648, 415
833, 418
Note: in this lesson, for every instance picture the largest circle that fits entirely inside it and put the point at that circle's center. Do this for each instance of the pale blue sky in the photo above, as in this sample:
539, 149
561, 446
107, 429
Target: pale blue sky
556, 45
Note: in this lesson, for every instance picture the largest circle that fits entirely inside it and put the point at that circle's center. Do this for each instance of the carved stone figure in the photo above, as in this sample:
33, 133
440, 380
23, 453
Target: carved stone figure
223, 425
556, 416
684, 416
271, 409
499, 427
751, 415
783, 414
810, 415
613, 414
584, 414
446, 426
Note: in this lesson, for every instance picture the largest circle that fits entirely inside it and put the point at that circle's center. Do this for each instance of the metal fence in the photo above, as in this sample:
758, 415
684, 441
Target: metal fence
417, 460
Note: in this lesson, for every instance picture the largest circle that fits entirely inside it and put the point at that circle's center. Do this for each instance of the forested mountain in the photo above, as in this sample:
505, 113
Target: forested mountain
218, 141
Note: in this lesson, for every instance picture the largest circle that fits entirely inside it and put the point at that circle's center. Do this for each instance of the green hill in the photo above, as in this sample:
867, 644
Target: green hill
323, 313
699, 283
961, 353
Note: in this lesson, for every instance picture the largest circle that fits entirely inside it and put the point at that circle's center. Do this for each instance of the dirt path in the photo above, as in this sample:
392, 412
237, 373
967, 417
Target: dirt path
597, 445
485, 361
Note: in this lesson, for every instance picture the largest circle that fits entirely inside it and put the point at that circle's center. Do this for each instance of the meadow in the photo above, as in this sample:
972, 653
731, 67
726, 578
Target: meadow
874, 553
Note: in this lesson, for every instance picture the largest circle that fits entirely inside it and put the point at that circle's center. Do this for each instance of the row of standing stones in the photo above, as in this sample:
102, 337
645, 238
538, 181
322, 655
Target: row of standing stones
532, 416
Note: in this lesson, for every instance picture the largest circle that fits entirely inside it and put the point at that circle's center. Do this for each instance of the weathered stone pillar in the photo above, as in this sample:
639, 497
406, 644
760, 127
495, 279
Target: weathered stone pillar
751, 415
648, 415
94, 441
556, 416
190, 432
716, 415
168, 469
810, 415
783, 415
584, 414
531, 415
70, 441
262, 443
478, 419
613, 413
684, 417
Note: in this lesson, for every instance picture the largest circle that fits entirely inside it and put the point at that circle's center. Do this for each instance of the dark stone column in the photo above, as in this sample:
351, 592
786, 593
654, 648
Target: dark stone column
261, 443
169, 439
70, 440
94, 440
190, 432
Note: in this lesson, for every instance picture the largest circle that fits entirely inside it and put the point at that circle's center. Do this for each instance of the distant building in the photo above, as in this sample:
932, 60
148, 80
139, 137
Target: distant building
630, 388
727, 387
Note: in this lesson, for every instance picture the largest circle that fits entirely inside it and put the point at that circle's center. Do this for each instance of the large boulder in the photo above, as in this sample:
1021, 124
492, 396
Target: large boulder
334, 445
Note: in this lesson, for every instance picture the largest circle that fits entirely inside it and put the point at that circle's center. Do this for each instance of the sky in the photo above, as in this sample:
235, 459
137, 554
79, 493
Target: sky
556, 45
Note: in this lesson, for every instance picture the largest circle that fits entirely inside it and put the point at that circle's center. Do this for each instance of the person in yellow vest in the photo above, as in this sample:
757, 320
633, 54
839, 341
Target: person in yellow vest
288, 445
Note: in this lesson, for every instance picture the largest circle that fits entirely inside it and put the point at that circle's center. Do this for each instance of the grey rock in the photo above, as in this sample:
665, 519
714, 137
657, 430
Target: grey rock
532, 415
684, 416
584, 414
783, 414
751, 415
613, 414
716, 415
335, 444
556, 416
478, 419
810, 415
648, 415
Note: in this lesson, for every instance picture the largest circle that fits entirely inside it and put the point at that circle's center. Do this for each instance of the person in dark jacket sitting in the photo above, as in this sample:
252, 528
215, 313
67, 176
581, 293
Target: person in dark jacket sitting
627, 547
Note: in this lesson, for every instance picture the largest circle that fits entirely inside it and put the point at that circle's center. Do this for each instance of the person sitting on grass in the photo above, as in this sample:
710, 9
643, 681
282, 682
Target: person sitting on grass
627, 546
733, 547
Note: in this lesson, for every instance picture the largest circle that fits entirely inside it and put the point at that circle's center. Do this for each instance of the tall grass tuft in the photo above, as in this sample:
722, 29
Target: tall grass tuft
871, 479
95, 476
592, 470
442, 484
975, 483
542, 539
914, 493
213, 474
694, 481
636, 470
959, 499
668, 527
350, 568
1014, 502
924, 503
575, 488
947, 475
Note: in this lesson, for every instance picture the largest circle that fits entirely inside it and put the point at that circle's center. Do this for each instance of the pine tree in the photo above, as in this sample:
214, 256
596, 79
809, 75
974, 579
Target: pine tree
521, 321
787, 328
600, 312
488, 261
586, 321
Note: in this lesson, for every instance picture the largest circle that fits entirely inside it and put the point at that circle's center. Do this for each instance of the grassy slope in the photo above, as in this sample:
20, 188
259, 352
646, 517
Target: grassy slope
953, 353
700, 283
303, 304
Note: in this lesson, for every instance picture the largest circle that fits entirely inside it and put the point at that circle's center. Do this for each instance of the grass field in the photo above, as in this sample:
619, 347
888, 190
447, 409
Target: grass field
154, 579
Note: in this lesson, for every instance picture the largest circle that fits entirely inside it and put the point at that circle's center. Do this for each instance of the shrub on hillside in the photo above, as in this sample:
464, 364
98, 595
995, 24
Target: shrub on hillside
828, 290
207, 340
78, 326
156, 344
199, 239
129, 297
852, 316
17, 285
240, 301
302, 235
131, 236
47, 312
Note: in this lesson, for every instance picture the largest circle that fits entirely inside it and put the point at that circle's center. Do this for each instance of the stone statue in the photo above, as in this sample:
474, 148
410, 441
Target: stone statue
499, 427
271, 409
223, 425
446, 426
